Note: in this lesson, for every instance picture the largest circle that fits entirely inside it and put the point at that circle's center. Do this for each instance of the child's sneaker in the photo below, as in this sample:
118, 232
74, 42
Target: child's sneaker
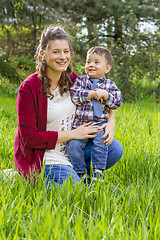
98, 175
86, 179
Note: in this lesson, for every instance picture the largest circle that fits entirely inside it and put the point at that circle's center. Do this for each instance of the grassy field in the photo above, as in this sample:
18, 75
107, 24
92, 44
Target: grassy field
125, 206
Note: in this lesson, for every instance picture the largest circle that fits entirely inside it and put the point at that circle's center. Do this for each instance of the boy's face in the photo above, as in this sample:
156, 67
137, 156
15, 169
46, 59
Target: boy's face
96, 66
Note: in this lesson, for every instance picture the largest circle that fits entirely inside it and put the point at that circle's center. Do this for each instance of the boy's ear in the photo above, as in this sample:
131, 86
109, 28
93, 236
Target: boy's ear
108, 68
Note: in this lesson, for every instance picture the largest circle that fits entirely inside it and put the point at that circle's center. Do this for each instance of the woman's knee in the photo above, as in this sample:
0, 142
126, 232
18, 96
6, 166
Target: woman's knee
115, 152
118, 150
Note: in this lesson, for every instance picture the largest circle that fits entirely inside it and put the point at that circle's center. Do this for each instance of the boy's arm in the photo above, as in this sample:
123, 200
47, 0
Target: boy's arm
79, 94
114, 99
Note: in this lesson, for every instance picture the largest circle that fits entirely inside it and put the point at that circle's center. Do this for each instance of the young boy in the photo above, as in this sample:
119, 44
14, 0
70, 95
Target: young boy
92, 93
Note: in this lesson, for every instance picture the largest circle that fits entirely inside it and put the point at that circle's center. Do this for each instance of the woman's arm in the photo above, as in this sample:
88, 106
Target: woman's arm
32, 136
82, 132
109, 128
30, 130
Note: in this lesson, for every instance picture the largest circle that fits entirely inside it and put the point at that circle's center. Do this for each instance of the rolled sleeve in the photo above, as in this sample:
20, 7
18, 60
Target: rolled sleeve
114, 96
79, 93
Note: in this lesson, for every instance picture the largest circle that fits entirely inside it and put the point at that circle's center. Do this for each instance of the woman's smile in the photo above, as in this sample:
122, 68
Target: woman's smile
57, 56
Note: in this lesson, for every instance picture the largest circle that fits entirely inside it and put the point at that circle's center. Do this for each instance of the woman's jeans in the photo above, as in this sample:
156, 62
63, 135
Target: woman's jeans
59, 173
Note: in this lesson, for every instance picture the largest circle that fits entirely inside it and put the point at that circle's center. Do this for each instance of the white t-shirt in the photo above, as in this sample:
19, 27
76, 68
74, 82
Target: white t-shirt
60, 116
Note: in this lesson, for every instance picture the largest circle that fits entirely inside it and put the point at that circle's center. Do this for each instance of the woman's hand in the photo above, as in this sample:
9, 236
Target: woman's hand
82, 132
109, 132
85, 131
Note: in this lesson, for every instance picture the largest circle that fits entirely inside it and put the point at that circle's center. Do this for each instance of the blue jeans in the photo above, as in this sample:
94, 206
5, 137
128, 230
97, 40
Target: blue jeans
60, 173
98, 156
115, 152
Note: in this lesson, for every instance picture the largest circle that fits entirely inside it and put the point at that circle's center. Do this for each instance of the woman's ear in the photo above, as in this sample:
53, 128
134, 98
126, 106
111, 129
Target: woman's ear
42, 54
108, 68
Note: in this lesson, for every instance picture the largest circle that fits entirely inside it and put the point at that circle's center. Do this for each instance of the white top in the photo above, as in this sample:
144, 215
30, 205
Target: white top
60, 116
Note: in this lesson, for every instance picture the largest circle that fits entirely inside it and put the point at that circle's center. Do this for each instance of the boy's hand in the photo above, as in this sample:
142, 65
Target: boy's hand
100, 95
109, 133
91, 94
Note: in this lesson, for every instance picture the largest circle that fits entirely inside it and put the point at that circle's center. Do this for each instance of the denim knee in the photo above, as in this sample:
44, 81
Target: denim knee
75, 150
115, 152
59, 173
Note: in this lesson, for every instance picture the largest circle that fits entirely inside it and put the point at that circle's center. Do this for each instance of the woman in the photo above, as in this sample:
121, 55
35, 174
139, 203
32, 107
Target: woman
45, 112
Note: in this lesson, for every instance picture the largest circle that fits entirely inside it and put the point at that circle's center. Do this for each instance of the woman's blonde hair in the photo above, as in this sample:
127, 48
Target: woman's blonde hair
52, 33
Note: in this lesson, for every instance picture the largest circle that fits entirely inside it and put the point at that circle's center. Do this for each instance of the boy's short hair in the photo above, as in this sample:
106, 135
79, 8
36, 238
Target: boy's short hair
102, 51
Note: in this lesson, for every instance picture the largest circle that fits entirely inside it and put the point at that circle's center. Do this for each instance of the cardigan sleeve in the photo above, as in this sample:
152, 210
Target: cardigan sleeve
73, 77
31, 132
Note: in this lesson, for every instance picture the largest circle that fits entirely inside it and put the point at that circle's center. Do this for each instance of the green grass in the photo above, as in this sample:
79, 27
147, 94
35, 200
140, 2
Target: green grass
125, 206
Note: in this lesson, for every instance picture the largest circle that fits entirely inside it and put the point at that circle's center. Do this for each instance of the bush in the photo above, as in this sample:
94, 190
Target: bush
24, 65
9, 72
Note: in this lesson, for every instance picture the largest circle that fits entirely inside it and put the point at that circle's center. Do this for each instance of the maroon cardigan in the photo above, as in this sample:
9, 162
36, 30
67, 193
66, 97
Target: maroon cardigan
32, 139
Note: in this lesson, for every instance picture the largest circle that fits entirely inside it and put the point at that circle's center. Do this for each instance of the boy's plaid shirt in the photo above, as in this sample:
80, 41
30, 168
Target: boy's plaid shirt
84, 108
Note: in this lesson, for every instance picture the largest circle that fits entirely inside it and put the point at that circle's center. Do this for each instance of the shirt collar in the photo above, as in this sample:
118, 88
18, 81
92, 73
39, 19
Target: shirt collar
100, 79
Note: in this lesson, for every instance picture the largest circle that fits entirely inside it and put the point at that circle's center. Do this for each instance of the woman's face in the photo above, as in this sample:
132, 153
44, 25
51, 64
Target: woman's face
57, 56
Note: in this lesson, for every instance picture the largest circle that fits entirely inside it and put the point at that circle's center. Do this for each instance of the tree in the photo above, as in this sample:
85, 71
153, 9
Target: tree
117, 25
21, 22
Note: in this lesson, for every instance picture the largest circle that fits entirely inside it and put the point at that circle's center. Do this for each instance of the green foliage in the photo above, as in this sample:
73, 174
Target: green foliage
9, 90
8, 125
115, 24
125, 206
18, 66
79, 69
7, 71
24, 65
